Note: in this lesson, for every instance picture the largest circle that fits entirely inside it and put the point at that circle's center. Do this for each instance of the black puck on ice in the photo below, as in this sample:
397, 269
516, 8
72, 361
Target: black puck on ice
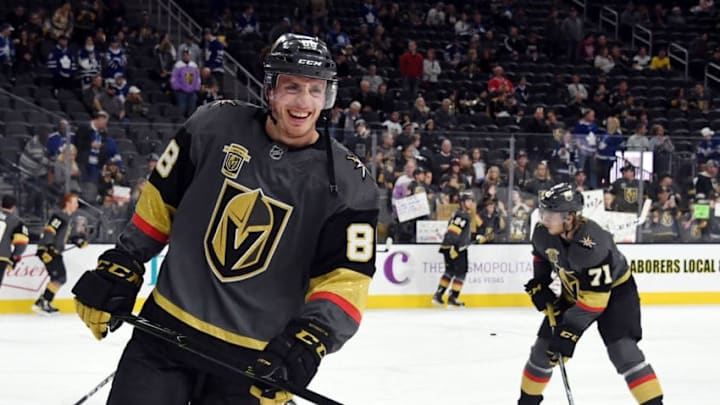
493, 334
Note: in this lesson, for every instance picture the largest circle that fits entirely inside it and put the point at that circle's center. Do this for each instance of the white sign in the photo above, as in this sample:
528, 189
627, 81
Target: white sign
430, 231
412, 207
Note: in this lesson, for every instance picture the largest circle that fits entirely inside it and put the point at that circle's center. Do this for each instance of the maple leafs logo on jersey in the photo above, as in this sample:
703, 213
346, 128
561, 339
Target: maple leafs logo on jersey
358, 165
587, 242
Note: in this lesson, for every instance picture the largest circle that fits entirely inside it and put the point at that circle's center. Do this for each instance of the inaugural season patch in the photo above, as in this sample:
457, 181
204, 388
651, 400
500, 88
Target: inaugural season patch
244, 231
235, 156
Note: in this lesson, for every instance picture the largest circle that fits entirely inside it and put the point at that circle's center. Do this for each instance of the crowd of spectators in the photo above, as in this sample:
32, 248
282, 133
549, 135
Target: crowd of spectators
411, 107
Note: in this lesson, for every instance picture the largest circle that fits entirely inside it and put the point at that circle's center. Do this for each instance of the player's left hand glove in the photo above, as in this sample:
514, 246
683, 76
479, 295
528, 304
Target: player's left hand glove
295, 354
563, 343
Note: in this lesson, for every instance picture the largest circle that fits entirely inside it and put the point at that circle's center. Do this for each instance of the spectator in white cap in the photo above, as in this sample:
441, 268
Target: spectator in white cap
706, 185
709, 146
135, 105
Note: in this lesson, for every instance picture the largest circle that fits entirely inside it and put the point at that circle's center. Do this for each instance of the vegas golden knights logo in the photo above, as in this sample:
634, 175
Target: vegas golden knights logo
235, 157
552, 255
244, 231
631, 195
569, 282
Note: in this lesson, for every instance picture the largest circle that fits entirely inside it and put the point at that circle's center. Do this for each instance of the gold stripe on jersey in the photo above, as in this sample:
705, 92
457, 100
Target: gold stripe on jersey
20, 239
454, 229
593, 301
50, 229
152, 209
206, 327
347, 284
625, 277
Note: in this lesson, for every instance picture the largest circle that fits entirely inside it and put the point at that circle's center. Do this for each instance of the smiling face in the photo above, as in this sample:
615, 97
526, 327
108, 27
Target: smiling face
296, 104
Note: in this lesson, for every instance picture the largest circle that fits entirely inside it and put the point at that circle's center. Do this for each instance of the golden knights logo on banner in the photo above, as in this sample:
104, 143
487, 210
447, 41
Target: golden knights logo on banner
244, 232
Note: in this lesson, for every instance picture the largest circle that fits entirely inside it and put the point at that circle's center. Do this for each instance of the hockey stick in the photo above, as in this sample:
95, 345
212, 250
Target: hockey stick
96, 389
183, 342
563, 372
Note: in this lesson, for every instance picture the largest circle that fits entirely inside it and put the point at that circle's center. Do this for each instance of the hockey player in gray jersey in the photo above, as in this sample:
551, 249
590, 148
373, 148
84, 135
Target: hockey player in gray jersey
57, 232
14, 236
270, 229
454, 250
597, 286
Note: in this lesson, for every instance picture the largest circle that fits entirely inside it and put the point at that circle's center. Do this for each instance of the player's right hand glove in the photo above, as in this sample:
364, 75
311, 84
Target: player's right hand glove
47, 253
108, 290
540, 294
562, 343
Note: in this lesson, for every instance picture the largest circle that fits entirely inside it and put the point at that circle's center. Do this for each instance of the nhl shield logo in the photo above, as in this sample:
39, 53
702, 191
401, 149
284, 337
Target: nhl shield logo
244, 232
235, 156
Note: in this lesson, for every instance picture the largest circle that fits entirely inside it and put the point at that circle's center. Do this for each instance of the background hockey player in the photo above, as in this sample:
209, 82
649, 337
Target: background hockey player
597, 285
14, 236
454, 250
271, 250
55, 235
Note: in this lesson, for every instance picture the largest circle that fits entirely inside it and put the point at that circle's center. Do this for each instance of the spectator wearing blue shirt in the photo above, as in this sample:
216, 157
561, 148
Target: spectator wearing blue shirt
337, 38
368, 13
586, 134
89, 63
7, 49
61, 65
609, 144
58, 139
709, 147
115, 60
215, 57
247, 22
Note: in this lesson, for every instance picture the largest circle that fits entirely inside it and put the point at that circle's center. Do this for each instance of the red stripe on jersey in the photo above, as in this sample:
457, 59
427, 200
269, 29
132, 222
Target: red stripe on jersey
537, 379
641, 380
148, 229
20, 242
589, 308
344, 304
538, 259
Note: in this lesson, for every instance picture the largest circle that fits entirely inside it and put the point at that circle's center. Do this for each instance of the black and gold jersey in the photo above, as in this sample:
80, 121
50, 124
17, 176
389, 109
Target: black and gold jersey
458, 231
589, 267
627, 198
14, 237
255, 236
56, 231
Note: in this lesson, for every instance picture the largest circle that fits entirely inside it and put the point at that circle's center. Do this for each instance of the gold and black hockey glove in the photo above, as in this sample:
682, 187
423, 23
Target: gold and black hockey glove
540, 294
108, 290
562, 343
295, 354
47, 253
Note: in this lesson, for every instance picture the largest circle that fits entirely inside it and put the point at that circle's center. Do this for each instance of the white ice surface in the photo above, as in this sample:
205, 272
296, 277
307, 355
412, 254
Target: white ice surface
398, 357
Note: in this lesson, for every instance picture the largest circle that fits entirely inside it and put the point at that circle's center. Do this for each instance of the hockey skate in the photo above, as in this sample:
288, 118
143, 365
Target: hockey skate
437, 300
43, 307
454, 303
